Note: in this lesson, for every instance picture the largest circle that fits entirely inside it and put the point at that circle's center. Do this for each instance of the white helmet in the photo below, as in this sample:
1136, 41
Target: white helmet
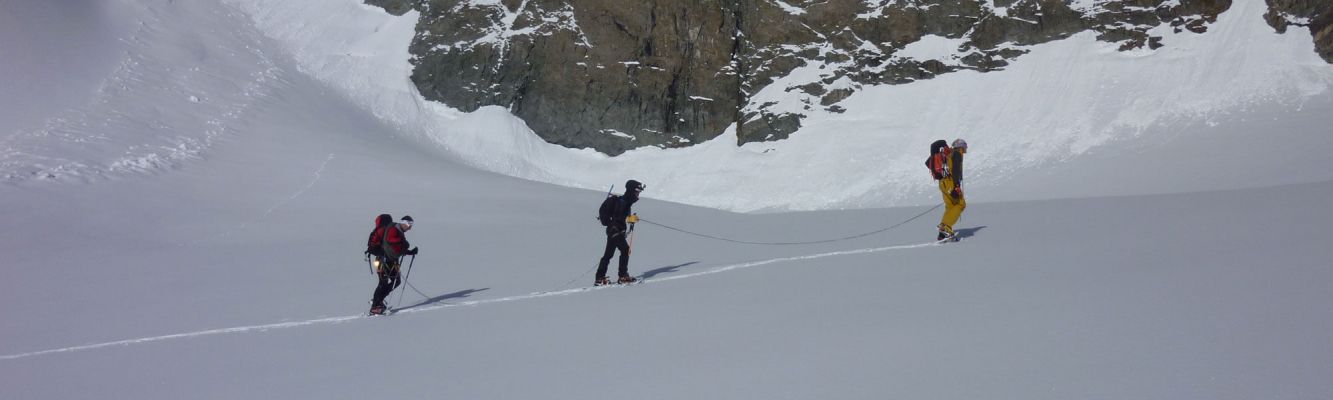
959, 144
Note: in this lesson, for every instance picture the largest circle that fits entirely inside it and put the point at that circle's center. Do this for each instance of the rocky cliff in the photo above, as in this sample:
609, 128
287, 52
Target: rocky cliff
1315, 14
615, 75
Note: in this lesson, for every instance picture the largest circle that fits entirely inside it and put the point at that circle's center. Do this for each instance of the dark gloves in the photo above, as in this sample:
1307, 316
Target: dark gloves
956, 193
412, 252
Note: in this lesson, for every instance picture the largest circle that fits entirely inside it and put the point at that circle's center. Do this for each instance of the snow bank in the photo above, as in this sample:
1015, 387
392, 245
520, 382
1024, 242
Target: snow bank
1058, 102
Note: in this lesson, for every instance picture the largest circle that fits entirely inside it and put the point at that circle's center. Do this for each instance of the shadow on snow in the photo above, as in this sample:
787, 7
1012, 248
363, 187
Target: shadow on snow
443, 297
968, 232
667, 269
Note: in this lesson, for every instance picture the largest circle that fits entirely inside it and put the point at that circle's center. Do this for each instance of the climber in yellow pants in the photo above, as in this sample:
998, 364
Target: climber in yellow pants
947, 166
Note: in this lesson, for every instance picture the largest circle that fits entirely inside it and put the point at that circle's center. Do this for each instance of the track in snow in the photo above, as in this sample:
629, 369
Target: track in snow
536, 295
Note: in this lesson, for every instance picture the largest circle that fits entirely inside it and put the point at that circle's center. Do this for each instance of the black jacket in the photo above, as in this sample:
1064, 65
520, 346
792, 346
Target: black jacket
622, 210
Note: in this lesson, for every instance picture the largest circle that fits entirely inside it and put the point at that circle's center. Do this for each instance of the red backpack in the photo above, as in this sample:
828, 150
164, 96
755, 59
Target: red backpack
937, 162
374, 245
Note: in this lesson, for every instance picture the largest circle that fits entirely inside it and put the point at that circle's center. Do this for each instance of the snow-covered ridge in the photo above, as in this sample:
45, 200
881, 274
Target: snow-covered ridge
1060, 101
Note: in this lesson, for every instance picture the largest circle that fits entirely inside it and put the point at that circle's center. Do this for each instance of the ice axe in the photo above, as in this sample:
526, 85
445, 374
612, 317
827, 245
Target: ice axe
633, 219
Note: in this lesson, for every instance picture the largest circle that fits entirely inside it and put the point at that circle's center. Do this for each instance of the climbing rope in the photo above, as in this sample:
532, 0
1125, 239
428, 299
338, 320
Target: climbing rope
793, 243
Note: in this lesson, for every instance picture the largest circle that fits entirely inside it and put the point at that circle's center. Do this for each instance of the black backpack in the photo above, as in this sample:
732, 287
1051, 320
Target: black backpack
604, 213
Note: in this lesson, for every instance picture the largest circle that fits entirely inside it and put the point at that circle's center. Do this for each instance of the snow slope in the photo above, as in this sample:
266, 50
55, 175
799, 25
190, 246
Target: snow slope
176, 79
236, 272
1063, 101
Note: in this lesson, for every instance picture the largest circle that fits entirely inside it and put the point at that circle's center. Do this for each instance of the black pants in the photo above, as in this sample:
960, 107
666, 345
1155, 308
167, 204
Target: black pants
613, 242
388, 274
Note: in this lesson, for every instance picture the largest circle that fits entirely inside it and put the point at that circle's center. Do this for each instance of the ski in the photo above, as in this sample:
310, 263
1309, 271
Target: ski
637, 280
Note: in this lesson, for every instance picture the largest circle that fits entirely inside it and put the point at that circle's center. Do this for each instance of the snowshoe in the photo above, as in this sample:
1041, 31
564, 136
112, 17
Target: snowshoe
945, 237
378, 309
946, 234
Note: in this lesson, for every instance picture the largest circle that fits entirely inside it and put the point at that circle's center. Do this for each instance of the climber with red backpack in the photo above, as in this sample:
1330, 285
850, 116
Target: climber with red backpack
946, 167
387, 245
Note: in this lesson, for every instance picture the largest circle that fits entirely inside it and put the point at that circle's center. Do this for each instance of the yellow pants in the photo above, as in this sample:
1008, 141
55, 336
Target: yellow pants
953, 208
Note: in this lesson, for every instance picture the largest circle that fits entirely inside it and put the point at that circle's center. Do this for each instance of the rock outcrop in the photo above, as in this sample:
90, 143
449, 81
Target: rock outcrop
1315, 14
615, 75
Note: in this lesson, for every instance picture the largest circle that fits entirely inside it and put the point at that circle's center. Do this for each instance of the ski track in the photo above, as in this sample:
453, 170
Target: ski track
535, 295
319, 173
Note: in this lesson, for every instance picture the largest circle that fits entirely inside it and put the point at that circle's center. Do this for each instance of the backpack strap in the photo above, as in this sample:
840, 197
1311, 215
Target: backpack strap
939, 166
384, 240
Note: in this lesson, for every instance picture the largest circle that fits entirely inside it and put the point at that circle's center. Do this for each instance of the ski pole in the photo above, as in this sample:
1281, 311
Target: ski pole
370, 265
409, 268
408, 275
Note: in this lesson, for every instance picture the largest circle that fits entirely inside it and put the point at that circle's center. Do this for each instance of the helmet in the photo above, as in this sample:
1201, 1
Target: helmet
959, 144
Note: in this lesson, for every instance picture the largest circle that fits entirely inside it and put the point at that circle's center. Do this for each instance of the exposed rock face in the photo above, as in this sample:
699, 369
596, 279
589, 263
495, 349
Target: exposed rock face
1315, 14
395, 7
606, 74
615, 75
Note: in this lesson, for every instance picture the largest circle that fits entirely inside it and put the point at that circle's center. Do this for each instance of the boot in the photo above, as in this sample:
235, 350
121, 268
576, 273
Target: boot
946, 232
627, 279
601, 280
377, 309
